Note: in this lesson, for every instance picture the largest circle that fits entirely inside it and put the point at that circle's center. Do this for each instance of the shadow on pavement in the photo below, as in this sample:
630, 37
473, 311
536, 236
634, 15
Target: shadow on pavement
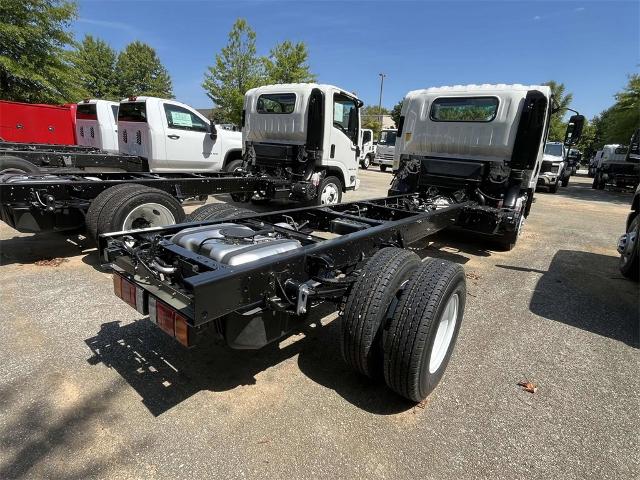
28, 249
39, 429
164, 373
583, 191
586, 290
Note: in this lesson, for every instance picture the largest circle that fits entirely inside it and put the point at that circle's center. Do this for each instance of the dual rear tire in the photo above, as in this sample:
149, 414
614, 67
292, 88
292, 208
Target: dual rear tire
131, 206
401, 320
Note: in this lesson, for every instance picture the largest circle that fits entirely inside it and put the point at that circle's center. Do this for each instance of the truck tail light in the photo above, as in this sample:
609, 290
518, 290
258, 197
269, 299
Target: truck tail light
130, 293
165, 317
169, 321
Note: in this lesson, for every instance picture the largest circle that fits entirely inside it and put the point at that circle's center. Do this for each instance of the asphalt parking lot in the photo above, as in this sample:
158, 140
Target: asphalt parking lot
89, 388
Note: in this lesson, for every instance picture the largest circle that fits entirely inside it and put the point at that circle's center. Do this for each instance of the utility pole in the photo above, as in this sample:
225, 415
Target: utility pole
382, 75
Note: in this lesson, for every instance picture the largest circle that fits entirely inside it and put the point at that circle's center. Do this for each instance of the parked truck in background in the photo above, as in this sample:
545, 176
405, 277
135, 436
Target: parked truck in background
367, 148
465, 143
616, 167
553, 170
175, 137
385, 149
305, 133
97, 124
37, 123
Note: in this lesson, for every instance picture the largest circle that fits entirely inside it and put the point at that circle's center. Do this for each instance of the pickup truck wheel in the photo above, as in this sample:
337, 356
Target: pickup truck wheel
565, 182
370, 299
12, 164
216, 211
383, 168
233, 166
139, 207
423, 331
329, 191
601, 183
628, 248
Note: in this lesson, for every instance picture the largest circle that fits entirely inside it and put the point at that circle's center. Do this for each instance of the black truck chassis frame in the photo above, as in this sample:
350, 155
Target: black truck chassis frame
64, 194
51, 157
212, 293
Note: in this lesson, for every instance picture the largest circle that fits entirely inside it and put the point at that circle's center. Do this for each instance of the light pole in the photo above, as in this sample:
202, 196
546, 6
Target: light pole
382, 75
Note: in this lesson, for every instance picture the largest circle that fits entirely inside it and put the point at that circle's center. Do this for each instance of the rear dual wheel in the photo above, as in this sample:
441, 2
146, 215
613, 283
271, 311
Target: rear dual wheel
401, 320
131, 206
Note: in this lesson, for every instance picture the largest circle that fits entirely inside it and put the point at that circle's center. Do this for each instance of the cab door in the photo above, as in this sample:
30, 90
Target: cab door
343, 137
189, 146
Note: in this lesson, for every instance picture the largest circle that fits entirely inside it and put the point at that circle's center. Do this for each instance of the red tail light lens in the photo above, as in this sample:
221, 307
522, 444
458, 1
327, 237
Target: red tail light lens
182, 330
165, 318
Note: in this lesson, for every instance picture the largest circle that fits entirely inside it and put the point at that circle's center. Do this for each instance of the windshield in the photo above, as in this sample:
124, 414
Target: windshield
554, 149
388, 138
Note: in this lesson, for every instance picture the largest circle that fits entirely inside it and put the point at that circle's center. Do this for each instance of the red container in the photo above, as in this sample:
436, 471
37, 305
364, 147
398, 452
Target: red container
38, 123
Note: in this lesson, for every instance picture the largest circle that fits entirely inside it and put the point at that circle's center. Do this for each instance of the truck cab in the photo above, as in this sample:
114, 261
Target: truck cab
174, 137
97, 124
367, 147
553, 170
385, 148
478, 143
306, 134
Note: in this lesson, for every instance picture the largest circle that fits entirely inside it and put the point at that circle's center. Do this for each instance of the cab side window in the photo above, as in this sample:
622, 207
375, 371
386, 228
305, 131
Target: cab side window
182, 119
345, 115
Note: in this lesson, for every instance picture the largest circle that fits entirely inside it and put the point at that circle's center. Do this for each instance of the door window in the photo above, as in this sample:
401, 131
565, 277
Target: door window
366, 137
182, 119
345, 115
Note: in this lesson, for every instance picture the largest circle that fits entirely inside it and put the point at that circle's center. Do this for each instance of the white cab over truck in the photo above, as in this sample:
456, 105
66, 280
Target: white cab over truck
367, 148
553, 169
305, 133
174, 137
97, 124
481, 143
385, 149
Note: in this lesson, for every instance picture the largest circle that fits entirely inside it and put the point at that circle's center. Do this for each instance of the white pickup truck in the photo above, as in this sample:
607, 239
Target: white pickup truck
97, 124
553, 170
174, 137
385, 149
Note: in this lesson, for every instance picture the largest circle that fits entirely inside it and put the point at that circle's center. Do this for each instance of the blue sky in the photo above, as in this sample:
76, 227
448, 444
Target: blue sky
590, 46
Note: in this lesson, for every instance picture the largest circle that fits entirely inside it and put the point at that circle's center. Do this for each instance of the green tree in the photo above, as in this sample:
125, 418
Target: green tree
140, 72
371, 118
287, 63
624, 116
237, 69
34, 56
95, 62
395, 112
562, 101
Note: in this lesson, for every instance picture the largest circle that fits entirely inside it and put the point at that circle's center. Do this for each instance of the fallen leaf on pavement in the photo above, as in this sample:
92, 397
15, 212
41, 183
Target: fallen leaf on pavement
528, 387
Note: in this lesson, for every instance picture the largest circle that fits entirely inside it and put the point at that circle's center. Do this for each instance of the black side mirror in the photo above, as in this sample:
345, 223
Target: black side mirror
574, 130
214, 132
353, 125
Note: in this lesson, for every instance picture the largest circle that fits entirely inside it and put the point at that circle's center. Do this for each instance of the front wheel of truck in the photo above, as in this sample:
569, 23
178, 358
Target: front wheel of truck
329, 191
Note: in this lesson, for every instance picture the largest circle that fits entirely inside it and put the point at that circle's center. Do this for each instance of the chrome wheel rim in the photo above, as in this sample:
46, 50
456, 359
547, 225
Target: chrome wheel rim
148, 215
329, 194
628, 241
444, 334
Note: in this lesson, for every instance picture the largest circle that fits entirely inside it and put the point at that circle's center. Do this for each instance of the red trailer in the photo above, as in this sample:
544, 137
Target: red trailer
38, 123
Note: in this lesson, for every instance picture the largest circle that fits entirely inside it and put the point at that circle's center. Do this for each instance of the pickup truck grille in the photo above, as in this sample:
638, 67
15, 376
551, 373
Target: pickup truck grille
548, 167
385, 156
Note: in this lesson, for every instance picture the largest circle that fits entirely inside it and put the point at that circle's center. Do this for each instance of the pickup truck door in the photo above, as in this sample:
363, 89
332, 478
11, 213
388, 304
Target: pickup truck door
189, 146
344, 135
